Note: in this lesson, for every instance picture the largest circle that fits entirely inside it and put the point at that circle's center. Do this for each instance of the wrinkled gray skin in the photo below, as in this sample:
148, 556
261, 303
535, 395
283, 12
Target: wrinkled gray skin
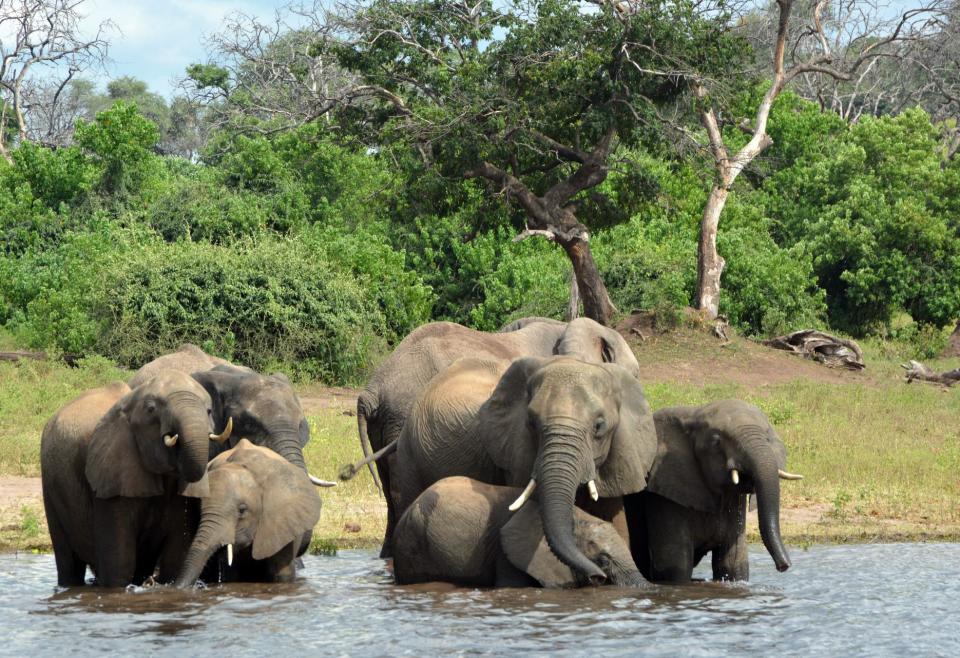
691, 505
110, 484
188, 359
383, 405
261, 504
523, 322
460, 531
559, 420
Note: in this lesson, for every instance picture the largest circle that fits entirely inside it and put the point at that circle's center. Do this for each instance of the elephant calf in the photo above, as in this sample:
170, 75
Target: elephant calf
259, 503
709, 460
460, 530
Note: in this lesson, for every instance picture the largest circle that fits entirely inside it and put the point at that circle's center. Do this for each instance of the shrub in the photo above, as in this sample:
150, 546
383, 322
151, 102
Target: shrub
262, 303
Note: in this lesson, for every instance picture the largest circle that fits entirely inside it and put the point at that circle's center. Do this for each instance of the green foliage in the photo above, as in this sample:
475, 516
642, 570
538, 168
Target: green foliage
120, 140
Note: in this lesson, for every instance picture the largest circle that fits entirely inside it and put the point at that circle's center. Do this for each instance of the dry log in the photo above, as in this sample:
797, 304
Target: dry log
916, 371
821, 347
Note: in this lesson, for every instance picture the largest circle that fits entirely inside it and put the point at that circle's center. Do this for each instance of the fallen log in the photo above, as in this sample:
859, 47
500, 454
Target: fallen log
823, 348
19, 355
916, 371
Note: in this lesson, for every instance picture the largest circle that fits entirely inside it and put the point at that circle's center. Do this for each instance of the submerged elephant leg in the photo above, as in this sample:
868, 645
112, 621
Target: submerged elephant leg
387, 469
671, 544
71, 570
730, 561
116, 543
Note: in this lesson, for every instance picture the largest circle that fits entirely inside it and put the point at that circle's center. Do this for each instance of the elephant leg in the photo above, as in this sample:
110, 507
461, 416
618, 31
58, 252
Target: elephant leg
634, 510
71, 570
671, 541
387, 469
116, 543
181, 518
730, 561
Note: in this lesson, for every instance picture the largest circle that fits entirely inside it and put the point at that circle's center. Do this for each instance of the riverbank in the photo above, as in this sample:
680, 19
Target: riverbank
881, 458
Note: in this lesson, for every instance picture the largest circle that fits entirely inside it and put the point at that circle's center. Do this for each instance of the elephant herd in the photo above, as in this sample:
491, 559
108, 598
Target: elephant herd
193, 457
529, 456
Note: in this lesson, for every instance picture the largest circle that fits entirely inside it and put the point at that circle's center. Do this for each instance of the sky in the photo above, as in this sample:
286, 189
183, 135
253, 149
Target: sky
155, 40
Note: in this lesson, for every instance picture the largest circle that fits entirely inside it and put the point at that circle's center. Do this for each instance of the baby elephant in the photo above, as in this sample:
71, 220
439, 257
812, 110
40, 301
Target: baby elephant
461, 531
259, 504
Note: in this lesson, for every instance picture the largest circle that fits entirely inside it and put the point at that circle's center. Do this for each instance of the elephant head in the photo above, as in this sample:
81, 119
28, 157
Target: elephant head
523, 543
161, 428
256, 499
264, 409
725, 446
560, 423
591, 341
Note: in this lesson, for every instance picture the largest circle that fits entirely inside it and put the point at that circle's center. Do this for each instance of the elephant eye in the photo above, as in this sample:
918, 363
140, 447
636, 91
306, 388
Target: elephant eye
242, 508
151, 407
600, 426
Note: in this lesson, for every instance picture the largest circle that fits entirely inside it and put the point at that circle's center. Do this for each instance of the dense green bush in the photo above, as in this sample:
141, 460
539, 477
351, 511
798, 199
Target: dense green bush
264, 303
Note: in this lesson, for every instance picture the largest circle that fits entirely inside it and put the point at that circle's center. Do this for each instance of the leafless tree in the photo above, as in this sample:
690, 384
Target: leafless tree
820, 41
41, 34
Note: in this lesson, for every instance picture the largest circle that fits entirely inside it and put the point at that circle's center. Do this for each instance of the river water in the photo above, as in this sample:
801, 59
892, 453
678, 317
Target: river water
867, 600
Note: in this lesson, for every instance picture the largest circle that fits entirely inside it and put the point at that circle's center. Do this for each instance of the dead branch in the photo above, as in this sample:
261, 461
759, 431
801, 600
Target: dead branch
823, 348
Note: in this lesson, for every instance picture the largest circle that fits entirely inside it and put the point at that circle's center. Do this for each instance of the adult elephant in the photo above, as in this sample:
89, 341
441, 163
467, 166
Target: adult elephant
461, 531
189, 358
709, 460
383, 405
111, 477
552, 424
258, 504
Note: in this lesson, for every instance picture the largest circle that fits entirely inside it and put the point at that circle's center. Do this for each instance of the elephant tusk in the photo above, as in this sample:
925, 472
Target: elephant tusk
229, 555
788, 476
592, 488
170, 441
735, 476
524, 496
321, 483
225, 434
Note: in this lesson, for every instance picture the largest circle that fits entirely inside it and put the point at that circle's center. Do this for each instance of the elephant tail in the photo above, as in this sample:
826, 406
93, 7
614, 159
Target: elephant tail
347, 471
367, 407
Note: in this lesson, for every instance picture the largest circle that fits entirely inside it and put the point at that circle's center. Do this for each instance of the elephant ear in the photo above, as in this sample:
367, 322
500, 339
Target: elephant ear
113, 466
585, 339
290, 504
525, 546
676, 472
503, 422
634, 444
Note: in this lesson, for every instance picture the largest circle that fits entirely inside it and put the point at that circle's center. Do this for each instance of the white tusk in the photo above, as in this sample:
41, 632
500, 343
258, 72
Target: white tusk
170, 441
321, 483
225, 434
524, 496
592, 487
788, 476
229, 555
735, 476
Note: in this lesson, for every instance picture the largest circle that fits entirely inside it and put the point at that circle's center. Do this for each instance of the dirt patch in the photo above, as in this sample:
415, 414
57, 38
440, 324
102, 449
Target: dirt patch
316, 397
691, 354
14, 490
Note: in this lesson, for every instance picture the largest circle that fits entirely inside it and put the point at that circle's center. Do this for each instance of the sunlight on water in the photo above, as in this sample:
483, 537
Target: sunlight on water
896, 599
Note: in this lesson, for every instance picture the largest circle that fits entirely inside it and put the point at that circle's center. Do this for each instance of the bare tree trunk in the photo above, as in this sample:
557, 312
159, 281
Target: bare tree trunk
573, 307
710, 263
596, 302
953, 344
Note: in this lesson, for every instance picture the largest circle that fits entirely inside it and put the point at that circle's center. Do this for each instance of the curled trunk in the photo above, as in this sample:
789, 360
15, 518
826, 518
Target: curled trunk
559, 477
194, 428
285, 441
767, 483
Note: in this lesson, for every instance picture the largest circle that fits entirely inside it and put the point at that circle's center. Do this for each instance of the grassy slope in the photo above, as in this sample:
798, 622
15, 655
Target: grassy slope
881, 458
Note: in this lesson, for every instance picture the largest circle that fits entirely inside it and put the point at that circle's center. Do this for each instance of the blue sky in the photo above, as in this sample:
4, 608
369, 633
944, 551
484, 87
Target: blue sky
156, 40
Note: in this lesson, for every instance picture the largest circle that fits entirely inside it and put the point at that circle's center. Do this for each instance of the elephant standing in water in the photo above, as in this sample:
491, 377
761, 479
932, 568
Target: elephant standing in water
259, 504
461, 531
709, 459
383, 405
111, 478
553, 424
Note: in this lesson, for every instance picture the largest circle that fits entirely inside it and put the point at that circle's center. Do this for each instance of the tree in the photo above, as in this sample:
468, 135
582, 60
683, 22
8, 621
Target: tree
800, 48
534, 100
41, 33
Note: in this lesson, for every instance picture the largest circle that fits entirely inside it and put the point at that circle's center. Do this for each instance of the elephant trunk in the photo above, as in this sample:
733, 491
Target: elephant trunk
559, 476
285, 441
214, 532
626, 576
193, 425
762, 465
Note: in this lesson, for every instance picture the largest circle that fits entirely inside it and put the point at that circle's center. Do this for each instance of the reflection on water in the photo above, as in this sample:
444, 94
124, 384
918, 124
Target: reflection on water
870, 600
